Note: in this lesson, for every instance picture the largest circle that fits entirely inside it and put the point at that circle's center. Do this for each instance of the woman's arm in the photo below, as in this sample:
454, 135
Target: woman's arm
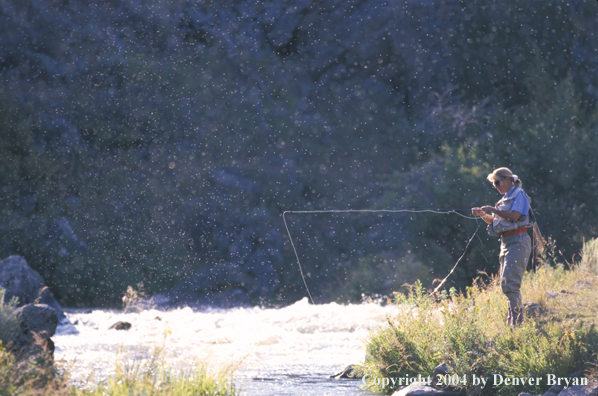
505, 214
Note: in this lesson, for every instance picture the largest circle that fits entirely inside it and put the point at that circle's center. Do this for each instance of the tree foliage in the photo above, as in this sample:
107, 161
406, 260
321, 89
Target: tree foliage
144, 140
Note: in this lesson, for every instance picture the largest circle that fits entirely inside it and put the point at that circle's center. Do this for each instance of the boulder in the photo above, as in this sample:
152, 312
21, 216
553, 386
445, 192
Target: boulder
557, 388
549, 393
21, 281
440, 370
422, 389
581, 390
532, 309
36, 324
348, 372
120, 326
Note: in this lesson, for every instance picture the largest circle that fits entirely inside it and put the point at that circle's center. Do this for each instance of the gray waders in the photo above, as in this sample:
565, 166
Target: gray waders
515, 251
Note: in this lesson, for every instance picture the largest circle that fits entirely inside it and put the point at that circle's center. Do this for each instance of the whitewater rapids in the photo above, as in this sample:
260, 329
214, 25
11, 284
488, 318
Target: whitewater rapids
283, 351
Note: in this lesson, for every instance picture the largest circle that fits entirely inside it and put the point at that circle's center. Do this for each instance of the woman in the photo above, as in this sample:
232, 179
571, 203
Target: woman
509, 219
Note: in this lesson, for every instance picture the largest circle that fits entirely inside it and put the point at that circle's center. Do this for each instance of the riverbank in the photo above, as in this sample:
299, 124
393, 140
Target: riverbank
467, 332
294, 349
285, 351
152, 377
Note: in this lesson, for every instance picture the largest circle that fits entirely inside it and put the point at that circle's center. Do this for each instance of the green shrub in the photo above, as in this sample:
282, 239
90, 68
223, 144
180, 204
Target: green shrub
8, 321
409, 345
154, 378
589, 255
7, 368
468, 332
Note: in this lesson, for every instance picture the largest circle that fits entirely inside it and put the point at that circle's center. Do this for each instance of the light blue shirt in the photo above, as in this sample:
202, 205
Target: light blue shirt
520, 203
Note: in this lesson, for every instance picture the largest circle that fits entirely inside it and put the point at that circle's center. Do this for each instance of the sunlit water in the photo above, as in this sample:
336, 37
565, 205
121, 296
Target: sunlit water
286, 351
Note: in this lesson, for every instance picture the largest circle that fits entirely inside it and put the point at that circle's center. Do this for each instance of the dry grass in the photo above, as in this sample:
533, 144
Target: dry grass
468, 331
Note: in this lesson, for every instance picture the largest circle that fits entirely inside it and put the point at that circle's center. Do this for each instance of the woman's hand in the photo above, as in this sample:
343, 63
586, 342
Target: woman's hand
482, 213
477, 212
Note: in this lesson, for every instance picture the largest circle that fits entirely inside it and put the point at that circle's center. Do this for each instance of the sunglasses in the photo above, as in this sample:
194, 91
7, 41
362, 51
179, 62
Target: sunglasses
497, 182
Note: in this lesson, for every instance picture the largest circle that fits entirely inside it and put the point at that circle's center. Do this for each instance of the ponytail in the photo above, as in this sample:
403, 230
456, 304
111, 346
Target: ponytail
503, 173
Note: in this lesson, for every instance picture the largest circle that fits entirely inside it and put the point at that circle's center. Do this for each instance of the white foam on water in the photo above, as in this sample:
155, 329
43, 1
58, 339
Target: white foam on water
290, 350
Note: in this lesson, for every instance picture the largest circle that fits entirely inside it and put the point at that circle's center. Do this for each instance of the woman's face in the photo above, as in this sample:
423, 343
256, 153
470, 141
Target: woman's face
503, 185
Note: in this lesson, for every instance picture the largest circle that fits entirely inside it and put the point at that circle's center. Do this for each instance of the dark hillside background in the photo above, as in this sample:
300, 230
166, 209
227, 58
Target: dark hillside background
143, 141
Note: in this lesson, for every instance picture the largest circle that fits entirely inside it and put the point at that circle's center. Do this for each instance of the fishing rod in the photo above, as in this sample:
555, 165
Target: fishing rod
418, 210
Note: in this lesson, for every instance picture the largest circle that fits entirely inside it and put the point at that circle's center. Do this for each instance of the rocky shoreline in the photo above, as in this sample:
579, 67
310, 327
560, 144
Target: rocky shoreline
38, 315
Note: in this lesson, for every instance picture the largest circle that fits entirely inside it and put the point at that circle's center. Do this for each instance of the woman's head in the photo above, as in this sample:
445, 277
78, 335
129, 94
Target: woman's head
498, 175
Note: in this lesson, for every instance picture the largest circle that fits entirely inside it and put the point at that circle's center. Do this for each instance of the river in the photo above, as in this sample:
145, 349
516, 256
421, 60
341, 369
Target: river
283, 351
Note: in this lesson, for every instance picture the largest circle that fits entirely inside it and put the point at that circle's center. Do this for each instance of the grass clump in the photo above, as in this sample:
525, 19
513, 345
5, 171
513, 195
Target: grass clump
8, 321
589, 256
155, 378
152, 378
468, 332
7, 372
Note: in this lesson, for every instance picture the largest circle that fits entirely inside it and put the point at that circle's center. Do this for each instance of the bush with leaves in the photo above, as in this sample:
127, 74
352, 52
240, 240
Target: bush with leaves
467, 331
